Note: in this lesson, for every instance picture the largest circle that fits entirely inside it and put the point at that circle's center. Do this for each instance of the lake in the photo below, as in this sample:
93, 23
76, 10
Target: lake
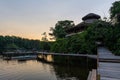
64, 68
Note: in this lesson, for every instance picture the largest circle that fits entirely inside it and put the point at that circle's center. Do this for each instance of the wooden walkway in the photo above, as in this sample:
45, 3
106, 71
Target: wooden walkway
50, 53
108, 65
69, 54
106, 55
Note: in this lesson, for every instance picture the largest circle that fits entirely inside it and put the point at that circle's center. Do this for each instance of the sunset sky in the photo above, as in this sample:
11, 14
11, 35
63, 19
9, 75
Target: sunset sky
30, 18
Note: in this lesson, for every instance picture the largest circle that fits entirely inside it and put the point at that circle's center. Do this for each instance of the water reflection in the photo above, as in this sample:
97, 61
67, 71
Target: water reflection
70, 72
66, 68
48, 58
69, 67
21, 62
29, 70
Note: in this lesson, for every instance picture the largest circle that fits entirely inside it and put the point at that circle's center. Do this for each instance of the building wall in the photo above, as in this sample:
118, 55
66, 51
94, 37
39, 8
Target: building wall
90, 20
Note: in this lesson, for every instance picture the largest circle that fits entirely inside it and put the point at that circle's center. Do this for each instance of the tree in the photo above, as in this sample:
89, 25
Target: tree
60, 27
13, 43
100, 31
115, 9
12, 46
115, 44
44, 38
44, 46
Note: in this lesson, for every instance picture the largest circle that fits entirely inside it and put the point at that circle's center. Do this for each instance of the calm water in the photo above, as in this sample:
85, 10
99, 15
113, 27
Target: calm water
39, 70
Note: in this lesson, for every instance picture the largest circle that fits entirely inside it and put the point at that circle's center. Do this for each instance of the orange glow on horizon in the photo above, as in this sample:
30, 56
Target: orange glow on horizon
24, 30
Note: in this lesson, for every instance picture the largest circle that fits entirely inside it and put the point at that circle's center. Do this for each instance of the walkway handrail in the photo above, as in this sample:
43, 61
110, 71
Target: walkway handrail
92, 75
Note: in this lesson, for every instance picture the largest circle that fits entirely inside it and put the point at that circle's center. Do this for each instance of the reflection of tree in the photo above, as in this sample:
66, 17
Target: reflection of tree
70, 68
22, 61
69, 72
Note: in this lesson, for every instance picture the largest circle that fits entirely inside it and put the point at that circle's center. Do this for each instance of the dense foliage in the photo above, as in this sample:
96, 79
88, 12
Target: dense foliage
115, 41
59, 30
85, 42
17, 43
75, 44
100, 31
115, 9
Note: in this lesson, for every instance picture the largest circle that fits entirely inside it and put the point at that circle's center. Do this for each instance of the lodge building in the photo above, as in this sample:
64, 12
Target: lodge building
88, 19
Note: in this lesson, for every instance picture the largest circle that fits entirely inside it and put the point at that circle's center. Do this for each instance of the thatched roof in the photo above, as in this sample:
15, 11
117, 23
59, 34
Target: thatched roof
78, 28
91, 16
83, 25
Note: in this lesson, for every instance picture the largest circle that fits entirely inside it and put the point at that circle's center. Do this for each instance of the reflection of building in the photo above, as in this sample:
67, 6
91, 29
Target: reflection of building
88, 19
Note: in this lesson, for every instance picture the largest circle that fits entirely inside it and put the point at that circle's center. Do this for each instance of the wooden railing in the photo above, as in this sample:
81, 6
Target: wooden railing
92, 75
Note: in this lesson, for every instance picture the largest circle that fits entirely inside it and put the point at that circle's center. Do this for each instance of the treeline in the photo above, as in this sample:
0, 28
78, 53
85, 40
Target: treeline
9, 43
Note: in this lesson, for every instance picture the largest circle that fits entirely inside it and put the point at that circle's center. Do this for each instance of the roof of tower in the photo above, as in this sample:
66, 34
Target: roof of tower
91, 16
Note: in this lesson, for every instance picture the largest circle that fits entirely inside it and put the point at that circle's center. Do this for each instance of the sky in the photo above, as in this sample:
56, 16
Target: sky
30, 18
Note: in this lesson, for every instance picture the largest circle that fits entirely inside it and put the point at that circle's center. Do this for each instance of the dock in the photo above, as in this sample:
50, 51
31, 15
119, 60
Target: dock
51, 53
108, 65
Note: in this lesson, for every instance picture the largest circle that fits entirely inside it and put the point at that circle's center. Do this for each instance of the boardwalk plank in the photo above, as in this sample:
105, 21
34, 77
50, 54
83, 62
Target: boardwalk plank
106, 78
108, 70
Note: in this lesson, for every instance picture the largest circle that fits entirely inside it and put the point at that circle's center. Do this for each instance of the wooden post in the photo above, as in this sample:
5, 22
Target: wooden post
98, 75
89, 76
92, 75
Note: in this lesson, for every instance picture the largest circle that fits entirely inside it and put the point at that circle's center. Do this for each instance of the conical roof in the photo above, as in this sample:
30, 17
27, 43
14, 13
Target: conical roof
91, 16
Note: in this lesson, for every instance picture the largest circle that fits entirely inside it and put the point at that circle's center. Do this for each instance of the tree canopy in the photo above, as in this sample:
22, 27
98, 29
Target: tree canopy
115, 9
59, 30
13, 43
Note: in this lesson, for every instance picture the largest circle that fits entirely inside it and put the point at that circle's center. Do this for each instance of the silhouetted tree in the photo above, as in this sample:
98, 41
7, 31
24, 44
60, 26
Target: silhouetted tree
60, 27
115, 9
44, 38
